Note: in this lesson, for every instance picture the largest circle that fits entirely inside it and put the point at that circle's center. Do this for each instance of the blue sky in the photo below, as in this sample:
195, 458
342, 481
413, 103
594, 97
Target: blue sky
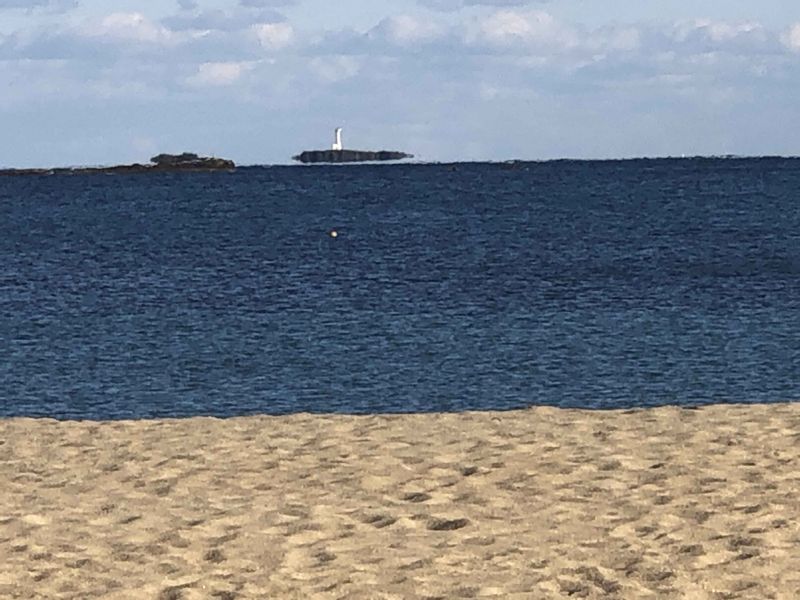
95, 82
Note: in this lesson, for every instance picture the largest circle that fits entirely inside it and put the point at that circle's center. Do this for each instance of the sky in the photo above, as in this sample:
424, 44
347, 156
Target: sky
92, 82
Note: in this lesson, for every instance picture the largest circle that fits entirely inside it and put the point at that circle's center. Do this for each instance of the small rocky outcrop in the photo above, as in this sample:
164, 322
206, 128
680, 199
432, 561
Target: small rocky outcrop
191, 161
159, 163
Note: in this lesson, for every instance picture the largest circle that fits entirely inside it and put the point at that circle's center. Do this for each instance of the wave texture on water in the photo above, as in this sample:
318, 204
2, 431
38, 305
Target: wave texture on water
449, 287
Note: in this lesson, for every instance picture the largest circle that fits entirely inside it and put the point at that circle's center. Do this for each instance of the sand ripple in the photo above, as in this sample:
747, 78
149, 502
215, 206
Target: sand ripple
543, 503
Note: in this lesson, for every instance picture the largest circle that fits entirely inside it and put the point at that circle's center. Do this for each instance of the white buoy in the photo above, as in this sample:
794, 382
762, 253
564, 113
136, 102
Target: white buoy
334, 233
337, 144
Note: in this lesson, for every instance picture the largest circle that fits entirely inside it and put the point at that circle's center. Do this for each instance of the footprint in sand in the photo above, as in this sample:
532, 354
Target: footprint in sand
417, 497
379, 520
214, 555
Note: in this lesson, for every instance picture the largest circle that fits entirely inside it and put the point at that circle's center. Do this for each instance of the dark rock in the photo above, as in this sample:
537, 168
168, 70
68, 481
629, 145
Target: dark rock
175, 159
190, 161
348, 156
447, 524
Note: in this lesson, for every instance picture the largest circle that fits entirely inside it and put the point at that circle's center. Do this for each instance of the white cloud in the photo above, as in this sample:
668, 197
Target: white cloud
133, 27
218, 74
220, 20
454, 5
715, 31
274, 36
622, 38
266, 3
30, 5
485, 65
332, 69
791, 38
523, 28
747, 39
405, 30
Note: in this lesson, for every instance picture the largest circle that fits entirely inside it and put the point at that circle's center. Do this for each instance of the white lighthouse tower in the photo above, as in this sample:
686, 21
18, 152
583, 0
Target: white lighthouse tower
337, 144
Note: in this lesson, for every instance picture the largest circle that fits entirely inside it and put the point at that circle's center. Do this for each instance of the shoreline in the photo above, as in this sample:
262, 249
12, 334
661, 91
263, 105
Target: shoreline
534, 503
6, 171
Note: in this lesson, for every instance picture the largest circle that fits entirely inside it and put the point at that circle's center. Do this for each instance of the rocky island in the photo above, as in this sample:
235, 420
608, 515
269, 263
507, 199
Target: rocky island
337, 154
162, 163
346, 156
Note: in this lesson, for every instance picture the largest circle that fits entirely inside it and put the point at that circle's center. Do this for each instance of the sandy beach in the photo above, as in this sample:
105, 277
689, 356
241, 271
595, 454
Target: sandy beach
539, 503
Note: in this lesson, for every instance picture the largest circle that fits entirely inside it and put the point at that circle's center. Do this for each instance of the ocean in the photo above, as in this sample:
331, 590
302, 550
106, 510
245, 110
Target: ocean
590, 284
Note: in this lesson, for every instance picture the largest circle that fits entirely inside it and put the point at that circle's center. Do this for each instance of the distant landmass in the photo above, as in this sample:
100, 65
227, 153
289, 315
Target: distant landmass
186, 162
337, 153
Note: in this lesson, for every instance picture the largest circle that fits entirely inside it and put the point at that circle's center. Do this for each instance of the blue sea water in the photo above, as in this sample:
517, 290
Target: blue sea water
449, 287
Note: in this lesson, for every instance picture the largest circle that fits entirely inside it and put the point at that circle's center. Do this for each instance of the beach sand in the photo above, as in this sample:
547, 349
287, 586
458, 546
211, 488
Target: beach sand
539, 503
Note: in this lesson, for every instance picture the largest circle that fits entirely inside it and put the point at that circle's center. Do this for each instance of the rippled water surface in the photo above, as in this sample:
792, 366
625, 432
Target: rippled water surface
475, 286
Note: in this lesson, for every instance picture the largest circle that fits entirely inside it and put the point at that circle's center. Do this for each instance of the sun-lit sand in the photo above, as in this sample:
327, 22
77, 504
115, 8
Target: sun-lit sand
541, 503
